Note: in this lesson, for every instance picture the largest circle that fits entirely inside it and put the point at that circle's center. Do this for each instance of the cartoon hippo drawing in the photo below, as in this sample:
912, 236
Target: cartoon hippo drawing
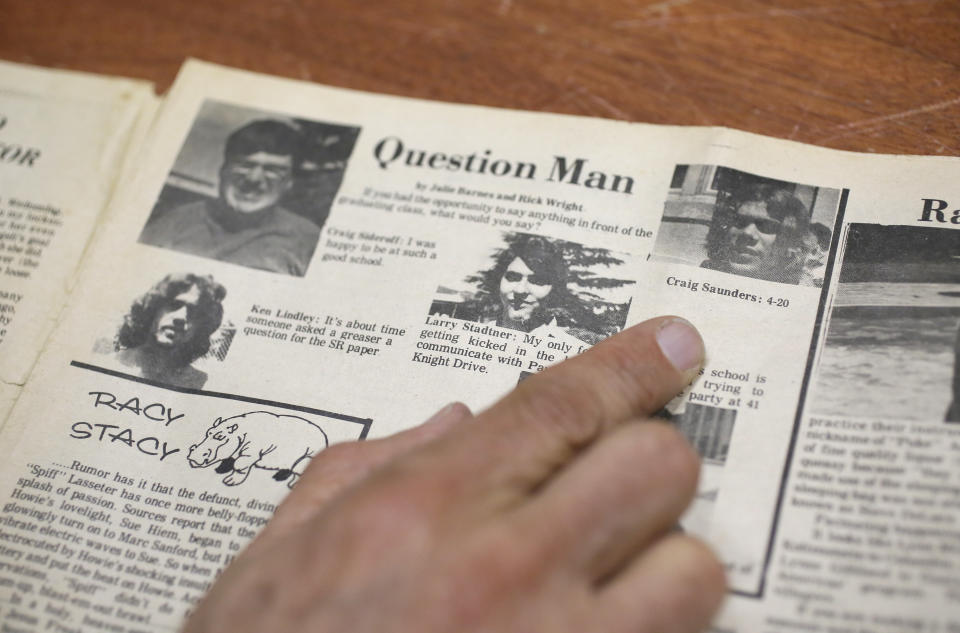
259, 439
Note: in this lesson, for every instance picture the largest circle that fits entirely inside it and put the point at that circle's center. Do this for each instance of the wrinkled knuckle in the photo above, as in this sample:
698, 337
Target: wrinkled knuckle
498, 559
542, 397
628, 359
644, 392
556, 408
386, 514
629, 373
479, 574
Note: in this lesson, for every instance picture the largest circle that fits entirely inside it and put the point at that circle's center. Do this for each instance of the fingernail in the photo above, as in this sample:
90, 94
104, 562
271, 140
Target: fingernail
681, 344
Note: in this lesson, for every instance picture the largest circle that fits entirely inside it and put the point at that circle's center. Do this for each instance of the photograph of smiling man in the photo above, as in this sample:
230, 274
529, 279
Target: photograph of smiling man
251, 188
747, 225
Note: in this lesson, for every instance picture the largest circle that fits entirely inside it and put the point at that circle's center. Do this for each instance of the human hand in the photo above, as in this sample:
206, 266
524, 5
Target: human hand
550, 512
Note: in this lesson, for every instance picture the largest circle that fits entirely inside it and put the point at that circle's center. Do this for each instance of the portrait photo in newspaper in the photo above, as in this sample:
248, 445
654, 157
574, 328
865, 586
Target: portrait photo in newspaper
892, 346
747, 225
171, 330
251, 188
536, 284
709, 430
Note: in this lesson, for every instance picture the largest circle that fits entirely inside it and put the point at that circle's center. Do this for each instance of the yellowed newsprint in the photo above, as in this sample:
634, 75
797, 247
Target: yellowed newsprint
284, 266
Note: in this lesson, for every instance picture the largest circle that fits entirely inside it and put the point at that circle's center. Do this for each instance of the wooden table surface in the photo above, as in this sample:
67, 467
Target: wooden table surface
864, 75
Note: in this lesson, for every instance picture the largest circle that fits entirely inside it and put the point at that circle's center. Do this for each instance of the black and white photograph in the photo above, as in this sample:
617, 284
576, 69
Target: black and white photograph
251, 188
171, 331
709, 431
892, 346
537, 284
747, 225
707, 428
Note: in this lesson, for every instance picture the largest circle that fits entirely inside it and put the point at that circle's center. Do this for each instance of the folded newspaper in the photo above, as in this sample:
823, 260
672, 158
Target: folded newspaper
196, 297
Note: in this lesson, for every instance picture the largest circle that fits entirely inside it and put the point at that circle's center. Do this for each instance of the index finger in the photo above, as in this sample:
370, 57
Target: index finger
631, 375
520, 441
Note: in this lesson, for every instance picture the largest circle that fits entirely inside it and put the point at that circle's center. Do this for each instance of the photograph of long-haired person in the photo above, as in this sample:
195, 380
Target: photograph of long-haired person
532, 283
176, 322
747, 225
251, 188
892, 347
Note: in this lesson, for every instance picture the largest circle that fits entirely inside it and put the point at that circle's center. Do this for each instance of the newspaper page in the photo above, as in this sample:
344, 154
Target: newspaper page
290, 266
63, 138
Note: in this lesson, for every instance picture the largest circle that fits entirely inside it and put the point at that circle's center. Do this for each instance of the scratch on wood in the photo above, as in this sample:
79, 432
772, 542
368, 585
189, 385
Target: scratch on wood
768, 13
804, 110
581, 90
876, 124
554, 101
665, 6
943, 147
305, 71
299, 14
876, 129
418, 30
669, 82
609, 107
900, 115
577, 94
